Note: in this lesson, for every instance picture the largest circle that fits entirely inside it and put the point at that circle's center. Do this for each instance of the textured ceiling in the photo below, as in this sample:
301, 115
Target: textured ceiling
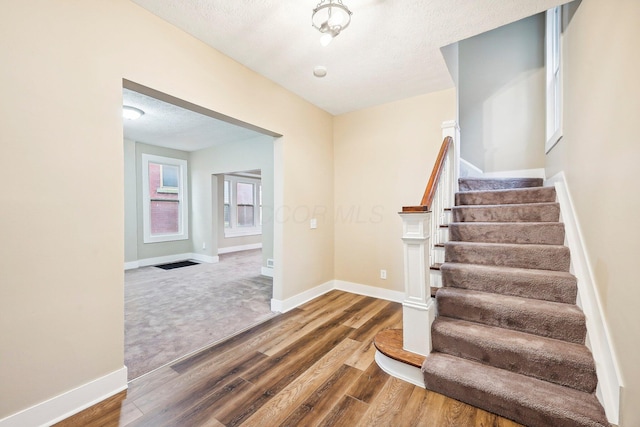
390, 51
170, 126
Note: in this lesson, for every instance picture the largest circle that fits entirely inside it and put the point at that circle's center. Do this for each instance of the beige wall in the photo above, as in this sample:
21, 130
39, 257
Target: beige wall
599, 153
383, 159
61, 299
501, 94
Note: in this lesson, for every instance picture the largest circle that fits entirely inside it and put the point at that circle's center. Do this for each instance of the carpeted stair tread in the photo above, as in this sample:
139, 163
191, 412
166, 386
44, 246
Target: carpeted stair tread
525, 212
542, 257
470, 184
557, 286
509, 196
543, 233
527, 400
545, 318
557, 361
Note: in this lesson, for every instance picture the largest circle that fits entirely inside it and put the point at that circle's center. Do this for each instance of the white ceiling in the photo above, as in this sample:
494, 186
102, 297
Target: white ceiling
390, 51
168, 125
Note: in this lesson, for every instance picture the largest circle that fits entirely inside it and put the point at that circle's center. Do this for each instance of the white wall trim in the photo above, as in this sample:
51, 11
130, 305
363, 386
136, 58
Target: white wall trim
468, 169
204, 258
400, 370
283, 306
598, 337
71, 402
146, 262
266, 271
131, 265
523, 173
369, 291
239, 248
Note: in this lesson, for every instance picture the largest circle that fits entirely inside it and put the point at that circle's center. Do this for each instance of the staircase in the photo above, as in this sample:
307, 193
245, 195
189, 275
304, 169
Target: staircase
509, 337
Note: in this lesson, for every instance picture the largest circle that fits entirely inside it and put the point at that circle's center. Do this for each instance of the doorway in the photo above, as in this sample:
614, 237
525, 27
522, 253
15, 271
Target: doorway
161, 306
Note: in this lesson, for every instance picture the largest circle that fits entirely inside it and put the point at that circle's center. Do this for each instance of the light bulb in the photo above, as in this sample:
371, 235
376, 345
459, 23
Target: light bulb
325, 39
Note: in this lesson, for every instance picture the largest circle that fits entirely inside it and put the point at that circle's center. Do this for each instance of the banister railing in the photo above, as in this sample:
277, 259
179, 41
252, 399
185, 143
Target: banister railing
434, 179
423, 237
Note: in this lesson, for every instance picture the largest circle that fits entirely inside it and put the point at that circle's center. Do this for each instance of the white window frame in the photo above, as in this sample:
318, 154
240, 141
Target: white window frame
233, 230
183, 200
553, 66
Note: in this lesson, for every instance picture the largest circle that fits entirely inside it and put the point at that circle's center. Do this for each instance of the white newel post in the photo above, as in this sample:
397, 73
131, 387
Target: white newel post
418, 308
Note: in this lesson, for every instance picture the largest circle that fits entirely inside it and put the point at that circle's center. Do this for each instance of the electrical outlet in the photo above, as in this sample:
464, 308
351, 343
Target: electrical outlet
313, 223
204, 245
383, 274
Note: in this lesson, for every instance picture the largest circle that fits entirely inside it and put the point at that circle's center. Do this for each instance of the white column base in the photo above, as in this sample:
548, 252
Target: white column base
416, 326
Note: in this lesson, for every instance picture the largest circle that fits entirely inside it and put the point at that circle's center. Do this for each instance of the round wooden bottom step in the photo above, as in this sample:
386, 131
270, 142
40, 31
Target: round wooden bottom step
389, 343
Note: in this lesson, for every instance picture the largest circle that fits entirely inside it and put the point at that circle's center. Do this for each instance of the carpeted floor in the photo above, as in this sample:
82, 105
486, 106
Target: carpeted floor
170, 313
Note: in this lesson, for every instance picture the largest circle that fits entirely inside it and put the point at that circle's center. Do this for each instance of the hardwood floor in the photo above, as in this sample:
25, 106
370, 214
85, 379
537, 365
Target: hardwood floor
312, 366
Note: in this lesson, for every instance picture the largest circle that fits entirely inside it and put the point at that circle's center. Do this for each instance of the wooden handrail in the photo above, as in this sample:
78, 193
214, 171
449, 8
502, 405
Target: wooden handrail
430, 191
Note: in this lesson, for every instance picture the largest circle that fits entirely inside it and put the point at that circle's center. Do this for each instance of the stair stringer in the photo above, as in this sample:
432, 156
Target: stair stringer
598, 337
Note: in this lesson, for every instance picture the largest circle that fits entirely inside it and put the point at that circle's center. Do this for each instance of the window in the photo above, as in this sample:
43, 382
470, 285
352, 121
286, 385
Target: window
242, 206
164, 199
553, 65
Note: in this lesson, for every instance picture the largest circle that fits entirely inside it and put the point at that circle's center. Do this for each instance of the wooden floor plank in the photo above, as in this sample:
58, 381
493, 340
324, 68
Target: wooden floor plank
459, 414
363, 356
245, 341
317, 369
417, 405
324, 398
114, 411
367, 387
299, 356
335, 298
347, 412
362, 316
387, 409
179, 391
279, 407
389, 316
312, 321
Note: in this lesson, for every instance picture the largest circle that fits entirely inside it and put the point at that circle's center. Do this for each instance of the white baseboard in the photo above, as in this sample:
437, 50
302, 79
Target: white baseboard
239, 248
131, 265
71, 402
400, 370
523, 173
283, 306
146, 262
598, 337
370, 291
266, 271
205, 258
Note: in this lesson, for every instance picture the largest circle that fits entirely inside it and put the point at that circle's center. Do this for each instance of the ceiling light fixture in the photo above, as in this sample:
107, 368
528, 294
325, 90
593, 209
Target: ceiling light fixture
330, 17
131, 113
320, 71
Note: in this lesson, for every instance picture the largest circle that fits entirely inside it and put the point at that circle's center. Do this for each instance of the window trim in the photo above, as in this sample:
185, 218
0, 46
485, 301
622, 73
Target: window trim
553, 69
183, 199
233, 230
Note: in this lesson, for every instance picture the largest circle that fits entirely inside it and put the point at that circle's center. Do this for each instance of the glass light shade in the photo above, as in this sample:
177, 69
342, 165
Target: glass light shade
131, 113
